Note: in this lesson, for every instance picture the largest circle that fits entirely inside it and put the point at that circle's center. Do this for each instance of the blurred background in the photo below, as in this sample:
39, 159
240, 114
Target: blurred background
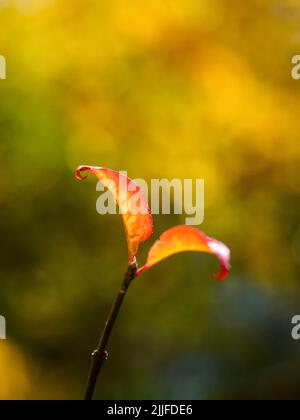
175, 89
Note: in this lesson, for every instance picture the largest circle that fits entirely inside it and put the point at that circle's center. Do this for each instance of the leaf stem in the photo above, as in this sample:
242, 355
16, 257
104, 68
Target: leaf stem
100, 355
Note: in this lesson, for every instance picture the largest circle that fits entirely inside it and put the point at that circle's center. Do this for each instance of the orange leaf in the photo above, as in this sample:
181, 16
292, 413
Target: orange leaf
133, 206
187, 238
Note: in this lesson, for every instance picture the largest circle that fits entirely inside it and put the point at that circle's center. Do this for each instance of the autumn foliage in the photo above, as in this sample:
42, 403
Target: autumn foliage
139, 227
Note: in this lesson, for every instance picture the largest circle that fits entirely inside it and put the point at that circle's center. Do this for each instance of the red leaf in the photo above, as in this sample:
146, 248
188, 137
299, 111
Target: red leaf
127, 195
187, 238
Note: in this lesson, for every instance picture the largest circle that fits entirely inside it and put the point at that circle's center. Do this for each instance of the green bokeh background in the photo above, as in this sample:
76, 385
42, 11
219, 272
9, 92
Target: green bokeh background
174, 89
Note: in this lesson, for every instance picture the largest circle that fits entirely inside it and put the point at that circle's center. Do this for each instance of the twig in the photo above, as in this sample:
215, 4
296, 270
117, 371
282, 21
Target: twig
100, 355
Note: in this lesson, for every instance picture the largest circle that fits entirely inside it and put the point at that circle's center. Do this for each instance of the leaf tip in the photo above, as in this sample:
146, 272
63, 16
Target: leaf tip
85, 168
79, 170
223, 253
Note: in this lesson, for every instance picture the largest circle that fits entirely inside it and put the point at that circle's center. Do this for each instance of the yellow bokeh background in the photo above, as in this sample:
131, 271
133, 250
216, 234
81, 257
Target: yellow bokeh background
161, 89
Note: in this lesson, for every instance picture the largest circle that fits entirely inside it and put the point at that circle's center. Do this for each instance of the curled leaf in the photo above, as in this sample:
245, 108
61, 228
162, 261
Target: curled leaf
187, 238
131, 201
